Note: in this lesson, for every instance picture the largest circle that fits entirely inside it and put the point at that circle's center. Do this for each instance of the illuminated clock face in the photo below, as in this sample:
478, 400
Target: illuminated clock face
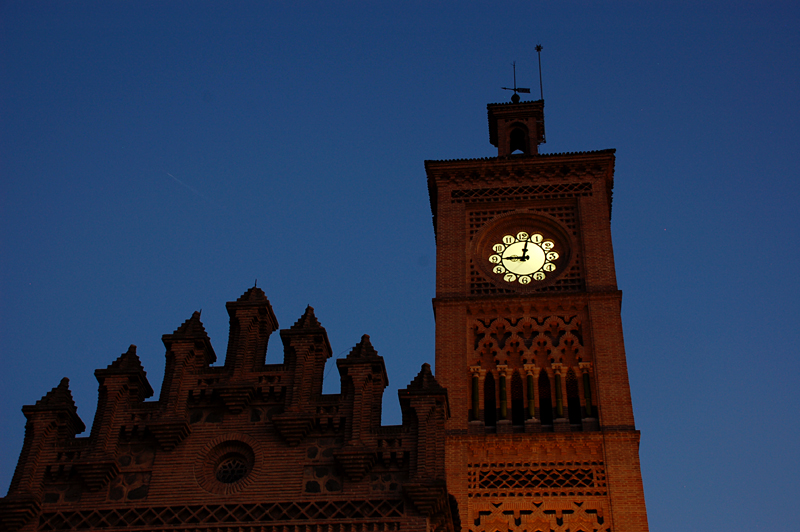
523, 257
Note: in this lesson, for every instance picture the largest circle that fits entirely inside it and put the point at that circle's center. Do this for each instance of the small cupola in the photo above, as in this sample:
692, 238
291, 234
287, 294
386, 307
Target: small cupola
516, 127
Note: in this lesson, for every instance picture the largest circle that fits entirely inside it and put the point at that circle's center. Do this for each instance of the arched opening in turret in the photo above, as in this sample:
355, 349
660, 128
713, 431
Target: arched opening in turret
489, 402
518, 139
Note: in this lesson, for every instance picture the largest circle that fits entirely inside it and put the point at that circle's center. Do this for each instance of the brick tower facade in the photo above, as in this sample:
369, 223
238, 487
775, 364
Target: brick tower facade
246, 446
529, 339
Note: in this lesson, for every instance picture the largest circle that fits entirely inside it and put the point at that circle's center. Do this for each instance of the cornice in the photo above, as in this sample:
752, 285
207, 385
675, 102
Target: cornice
522, 158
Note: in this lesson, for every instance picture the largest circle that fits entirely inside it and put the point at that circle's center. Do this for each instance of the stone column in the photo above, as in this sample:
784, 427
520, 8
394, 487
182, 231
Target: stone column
532, 423
503, 423
561, 423
590, 421
476, 424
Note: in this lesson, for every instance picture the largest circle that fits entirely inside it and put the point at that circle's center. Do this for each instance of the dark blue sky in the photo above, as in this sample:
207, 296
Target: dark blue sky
157, 157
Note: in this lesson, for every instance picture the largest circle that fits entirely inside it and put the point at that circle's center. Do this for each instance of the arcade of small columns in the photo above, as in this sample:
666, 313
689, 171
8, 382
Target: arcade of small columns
567, 391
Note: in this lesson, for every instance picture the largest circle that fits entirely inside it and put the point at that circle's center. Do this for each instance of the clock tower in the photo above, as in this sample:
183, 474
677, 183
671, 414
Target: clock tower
529, 342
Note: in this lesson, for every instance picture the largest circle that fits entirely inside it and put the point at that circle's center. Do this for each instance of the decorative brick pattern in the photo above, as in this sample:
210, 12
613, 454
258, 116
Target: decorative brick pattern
171, 517
535, 192
575, 515
537, 479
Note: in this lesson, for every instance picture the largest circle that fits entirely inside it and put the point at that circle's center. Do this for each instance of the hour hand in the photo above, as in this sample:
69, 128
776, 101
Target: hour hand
516, 258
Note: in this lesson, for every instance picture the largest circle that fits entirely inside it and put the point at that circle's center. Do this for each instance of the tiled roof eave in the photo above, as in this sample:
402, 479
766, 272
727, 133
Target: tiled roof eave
520, 158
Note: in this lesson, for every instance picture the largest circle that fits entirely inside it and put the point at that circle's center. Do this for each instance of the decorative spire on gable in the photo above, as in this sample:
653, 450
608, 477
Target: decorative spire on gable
127, 361
128, 364
307, 321
253, 295
425, 382
191, 328
363, 349
192, 331
58, 399
252, 323
58, 396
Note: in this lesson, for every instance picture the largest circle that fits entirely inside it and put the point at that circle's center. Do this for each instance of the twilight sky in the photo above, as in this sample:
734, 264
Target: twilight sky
158, 157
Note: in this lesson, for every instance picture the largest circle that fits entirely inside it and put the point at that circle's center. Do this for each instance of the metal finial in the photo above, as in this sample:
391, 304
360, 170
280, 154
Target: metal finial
515, 96
539, 53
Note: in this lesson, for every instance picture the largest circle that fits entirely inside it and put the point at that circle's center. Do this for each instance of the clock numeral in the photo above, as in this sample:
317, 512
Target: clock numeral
524, 279
536, 237
549, 267
552, 255
522, 235
510, 277
495, 259
508, 239
499, 269
539, 276
498, 248
547, 245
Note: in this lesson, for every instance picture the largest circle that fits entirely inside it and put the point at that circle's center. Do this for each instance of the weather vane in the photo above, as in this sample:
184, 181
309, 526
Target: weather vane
515, 96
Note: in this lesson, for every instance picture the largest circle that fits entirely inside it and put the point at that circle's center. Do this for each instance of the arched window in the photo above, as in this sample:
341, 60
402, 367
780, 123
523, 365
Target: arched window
518, 139
489, 401
573, 399
517, 400
545, 401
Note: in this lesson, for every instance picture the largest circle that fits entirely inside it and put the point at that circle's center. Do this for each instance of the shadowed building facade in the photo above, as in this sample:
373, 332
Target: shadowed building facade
528, 425
243, 446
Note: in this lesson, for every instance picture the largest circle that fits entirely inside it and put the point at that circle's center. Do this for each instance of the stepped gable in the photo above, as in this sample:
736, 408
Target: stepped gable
128, 363
424, 383
307, 328
59, 398
363, 349
191, 328
253, 295
307, 321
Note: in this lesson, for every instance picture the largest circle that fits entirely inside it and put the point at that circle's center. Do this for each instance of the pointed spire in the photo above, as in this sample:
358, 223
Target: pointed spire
58, 396
425, 382
363, 349
308, 320
191, 328
128, 362
59, 399
253, 295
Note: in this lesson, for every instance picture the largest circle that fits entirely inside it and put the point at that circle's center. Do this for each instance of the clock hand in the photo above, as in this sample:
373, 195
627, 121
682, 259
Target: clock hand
525, 251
